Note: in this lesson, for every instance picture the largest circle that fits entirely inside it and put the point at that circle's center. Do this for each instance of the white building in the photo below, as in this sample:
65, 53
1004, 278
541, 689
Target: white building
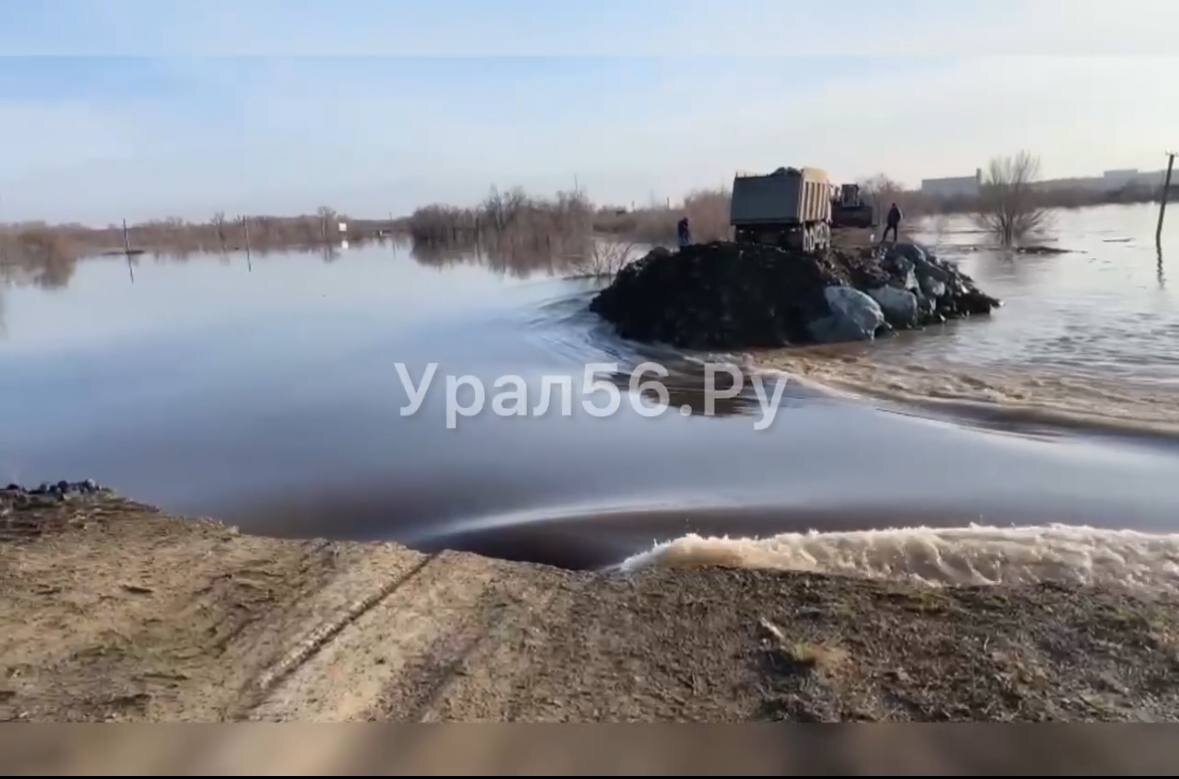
953, 186
1115, 179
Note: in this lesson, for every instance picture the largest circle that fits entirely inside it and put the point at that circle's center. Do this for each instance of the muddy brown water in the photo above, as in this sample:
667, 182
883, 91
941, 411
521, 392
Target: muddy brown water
263, 392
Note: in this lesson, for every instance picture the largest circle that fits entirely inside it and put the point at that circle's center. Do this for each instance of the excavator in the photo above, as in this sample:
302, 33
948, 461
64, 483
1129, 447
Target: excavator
848, 208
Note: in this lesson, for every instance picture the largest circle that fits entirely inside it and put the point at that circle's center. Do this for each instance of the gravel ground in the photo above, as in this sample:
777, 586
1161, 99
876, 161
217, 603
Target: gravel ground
116, 611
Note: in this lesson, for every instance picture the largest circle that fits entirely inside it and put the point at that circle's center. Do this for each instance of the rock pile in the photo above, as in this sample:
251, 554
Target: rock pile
728, 295
27, 514
62, 490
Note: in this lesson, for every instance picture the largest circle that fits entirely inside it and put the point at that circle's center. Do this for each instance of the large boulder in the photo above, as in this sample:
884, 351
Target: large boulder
909, 252
857, 316
835, 329
923, 261
899, 305
932, 287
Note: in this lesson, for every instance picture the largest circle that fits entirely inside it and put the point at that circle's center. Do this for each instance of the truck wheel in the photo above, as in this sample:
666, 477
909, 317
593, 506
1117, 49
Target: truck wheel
823, 239
795, 240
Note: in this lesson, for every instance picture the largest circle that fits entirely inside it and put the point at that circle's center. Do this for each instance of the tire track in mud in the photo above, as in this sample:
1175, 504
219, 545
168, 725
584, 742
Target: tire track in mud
404, 650
315, 640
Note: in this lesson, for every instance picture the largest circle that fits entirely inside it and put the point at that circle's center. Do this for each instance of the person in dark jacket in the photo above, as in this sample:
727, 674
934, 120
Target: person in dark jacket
894, 223
683, 233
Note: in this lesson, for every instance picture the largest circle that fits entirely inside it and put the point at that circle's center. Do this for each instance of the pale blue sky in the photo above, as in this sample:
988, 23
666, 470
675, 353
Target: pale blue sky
148, 109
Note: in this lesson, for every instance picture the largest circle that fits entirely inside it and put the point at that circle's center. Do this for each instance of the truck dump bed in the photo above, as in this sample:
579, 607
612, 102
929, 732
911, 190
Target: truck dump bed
786, 196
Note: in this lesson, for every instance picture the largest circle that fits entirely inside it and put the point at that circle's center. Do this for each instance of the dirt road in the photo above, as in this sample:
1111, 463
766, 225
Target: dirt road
115, 611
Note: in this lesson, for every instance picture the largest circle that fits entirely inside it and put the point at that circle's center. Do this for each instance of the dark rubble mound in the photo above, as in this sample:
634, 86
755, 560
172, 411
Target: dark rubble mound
718, 295
728, 295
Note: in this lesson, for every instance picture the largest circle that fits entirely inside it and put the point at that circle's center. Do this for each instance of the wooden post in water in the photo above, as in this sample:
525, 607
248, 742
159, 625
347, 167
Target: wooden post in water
1158, 233
127, 252
246, 228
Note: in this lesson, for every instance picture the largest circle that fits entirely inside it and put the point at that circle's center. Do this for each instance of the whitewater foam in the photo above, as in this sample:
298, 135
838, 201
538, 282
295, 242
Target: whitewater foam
975, 555
1020, 394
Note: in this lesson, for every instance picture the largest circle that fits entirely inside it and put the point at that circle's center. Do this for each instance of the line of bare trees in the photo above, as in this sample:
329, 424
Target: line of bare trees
514, 211
524, 231
39, 242
511, 213
707, 211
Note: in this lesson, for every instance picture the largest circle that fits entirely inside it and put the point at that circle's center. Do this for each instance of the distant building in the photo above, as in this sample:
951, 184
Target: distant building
1120, 177
1108, 181
953, 186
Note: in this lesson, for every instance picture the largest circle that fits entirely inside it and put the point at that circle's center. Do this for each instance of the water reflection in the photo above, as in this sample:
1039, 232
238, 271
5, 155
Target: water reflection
53, 267
517, 254
48, 270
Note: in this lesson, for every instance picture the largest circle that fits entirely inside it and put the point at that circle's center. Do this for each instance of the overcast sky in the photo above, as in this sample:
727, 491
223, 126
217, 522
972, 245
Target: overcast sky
151, 109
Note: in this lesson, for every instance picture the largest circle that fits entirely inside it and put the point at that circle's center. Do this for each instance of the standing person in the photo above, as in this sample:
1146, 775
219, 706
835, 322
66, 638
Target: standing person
683, 233
894, 223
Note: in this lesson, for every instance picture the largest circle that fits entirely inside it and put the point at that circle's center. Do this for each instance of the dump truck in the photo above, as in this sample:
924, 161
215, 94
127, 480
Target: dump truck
848, 208
790, 207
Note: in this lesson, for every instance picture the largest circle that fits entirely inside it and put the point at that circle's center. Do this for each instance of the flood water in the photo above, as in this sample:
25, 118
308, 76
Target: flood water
264, 393
1086, 336
1101, 311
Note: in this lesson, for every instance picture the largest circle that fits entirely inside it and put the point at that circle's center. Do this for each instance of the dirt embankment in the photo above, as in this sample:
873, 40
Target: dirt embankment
724, 295
115, 611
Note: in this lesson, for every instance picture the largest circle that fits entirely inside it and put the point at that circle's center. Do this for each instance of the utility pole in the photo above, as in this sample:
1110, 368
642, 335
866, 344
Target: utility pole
126, 242
1158, 234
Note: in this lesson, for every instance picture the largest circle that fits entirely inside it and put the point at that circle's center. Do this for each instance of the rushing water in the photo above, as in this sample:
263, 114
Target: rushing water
264, 392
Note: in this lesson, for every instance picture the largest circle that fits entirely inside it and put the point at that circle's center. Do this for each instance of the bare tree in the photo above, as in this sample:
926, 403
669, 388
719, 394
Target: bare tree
327, 216
603, 257
1008, 206
493, 208
218, 221
501, 209
881, 192
515, 202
